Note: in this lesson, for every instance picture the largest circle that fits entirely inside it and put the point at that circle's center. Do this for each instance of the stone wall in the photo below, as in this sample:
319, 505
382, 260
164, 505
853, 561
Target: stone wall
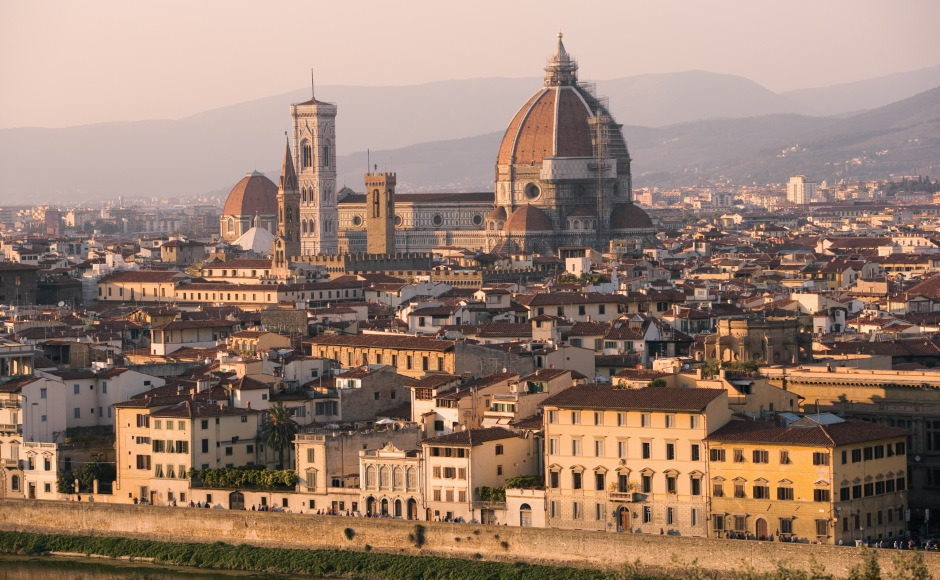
542, 546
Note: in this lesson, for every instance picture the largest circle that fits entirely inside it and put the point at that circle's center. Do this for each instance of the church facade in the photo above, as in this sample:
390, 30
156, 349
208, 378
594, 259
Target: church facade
563, 179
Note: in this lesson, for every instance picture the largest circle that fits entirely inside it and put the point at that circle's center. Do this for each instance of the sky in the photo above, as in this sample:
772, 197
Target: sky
71, 62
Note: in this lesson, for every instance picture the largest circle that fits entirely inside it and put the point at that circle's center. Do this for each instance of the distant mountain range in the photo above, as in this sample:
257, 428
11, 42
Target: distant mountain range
682, 129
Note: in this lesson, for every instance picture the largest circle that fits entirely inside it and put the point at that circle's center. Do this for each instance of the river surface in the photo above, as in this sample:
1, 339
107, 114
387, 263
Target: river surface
58, 568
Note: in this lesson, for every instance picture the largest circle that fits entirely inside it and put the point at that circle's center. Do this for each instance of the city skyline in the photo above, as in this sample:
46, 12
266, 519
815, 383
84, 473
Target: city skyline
107, 61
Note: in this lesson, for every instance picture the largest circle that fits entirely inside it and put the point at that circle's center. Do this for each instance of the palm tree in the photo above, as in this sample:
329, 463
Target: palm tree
278, 430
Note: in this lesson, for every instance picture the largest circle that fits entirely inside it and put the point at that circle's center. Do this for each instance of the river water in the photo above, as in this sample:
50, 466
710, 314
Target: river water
56, 568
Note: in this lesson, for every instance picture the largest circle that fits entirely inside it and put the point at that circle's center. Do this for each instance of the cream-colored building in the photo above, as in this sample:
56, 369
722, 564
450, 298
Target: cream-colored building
630, 460
819, 479
158, 440
391, 482
410, 355
457, 465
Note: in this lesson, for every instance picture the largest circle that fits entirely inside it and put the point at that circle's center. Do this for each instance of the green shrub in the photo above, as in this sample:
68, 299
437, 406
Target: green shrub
525, 482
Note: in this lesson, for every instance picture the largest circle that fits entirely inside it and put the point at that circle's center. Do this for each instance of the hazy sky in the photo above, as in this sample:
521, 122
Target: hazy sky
72, 62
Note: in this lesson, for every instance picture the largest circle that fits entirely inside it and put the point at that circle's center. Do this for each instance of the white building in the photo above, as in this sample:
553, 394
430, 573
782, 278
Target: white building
800, 190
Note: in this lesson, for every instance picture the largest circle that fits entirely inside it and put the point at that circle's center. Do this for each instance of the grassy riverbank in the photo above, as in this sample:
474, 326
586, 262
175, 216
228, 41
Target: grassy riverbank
327, 563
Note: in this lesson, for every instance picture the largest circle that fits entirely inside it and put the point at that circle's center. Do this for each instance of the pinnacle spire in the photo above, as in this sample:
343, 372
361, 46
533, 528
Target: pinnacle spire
288, 175
562, 70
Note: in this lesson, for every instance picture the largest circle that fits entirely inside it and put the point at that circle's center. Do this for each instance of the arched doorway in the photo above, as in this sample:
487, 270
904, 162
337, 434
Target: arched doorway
623, 519
412, 509
397, 508
525, 515
760, 528
384, 507
236, 500
370, 506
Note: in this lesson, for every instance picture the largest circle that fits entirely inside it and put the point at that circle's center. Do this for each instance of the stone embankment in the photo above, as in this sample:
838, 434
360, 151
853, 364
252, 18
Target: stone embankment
504, 543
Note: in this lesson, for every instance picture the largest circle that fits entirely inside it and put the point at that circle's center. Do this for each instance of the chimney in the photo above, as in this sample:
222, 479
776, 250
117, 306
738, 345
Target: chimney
248, 405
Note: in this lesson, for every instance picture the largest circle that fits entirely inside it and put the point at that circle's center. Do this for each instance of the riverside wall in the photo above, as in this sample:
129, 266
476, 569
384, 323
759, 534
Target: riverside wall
503, 543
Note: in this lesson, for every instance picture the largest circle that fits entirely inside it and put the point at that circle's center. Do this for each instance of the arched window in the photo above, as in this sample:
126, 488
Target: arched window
306, 155
303, 226
15, 483
397, 478
412, 479
370, 476
376, 206
383, 478
231, 225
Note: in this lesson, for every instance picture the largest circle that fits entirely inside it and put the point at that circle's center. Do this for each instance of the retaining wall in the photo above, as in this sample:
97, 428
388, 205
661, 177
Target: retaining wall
534, 545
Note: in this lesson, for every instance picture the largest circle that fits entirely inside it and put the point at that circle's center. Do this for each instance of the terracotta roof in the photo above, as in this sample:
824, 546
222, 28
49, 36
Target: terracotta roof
471, 437
154, 276
429, 198
15, 385
808, 433
544, 375
250, 384
192, 409
187, 324
652, 399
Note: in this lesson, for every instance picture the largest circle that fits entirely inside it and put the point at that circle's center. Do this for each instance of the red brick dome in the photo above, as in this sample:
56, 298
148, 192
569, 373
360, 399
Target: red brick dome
255, 194
528, 219
498, 213
627, 216
553, 123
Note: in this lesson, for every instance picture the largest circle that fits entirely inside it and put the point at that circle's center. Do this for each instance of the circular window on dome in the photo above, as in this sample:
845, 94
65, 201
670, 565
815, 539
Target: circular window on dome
398, 220
357, 220
437, 220
477, 219
532, 191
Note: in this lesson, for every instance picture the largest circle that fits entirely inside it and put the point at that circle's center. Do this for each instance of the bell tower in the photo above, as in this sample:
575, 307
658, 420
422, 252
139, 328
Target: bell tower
314, 128
287, 242
380, 213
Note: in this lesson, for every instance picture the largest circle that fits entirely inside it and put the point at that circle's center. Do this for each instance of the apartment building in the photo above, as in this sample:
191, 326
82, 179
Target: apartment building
409, 355
158, 440
630, 460
458, 464
817, 479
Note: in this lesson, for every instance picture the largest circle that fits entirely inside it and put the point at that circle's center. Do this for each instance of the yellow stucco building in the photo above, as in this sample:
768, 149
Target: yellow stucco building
819, 479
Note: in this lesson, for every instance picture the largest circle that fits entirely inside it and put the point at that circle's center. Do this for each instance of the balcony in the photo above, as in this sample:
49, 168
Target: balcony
14, 463
625, 496
18, 429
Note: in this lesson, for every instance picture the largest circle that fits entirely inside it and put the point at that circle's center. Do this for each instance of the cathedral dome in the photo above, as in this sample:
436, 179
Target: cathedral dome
627, 216
555, 122
498, 213
528, 219
255, 194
